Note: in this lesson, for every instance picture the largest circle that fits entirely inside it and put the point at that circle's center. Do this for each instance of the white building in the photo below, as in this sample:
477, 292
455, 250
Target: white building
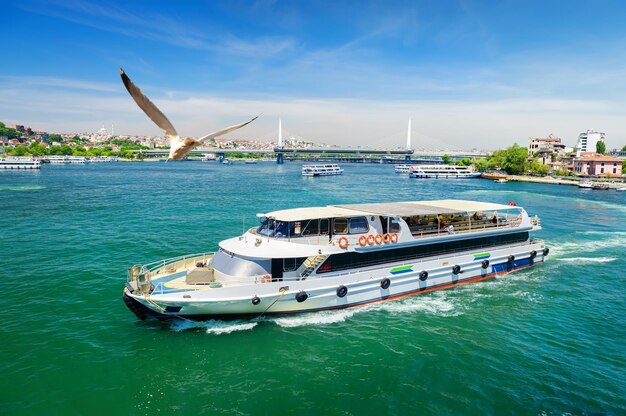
587, 141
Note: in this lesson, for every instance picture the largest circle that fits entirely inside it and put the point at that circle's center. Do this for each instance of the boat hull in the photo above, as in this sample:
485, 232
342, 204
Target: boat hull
323, 292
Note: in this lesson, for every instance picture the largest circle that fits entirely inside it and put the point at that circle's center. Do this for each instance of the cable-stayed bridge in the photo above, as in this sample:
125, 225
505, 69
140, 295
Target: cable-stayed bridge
280, 152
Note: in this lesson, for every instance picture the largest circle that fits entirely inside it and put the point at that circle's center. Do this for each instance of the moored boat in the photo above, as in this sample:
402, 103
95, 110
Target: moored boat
319, 258
402, 169
585, 184
11, 163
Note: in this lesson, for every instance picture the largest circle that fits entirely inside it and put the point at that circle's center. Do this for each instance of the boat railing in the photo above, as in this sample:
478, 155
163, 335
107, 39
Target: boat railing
176, 263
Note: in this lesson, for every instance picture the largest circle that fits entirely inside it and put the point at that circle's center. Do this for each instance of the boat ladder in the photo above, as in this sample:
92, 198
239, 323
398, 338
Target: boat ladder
310, 264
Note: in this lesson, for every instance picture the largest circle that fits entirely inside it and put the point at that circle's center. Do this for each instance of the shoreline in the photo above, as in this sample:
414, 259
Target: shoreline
614, 183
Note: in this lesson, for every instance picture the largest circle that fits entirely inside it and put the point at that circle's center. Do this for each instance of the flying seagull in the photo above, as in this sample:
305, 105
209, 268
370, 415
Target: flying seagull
179, 147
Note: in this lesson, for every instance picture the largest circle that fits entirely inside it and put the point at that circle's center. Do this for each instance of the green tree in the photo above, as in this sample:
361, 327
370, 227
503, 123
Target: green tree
20, 150
600, 147
515, 159
538, 168
481, 165
37, 149
464, 162
55, 138
624, 149
561, 172
9, 132
446, 159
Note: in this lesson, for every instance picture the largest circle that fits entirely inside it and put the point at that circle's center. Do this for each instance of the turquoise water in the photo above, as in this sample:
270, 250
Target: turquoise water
548, 340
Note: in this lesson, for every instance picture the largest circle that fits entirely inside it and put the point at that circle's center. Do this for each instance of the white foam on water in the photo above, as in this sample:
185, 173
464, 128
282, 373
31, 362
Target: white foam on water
317, 318
227, 328
22, 188
212, 327
567, 248
432, 304
589, 259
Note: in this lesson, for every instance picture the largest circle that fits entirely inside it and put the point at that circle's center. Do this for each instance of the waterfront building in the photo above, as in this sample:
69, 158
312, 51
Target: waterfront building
545, 145
595, 164
587, 140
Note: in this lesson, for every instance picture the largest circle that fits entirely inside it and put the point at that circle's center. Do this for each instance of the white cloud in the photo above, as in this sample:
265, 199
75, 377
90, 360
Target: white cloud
468, 123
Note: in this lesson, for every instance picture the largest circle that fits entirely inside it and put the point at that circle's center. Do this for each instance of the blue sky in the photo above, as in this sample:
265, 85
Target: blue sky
468, 73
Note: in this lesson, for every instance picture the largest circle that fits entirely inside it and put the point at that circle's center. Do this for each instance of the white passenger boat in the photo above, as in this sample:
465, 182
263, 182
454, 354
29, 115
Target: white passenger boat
19, 163
585, 184
320, 258
321, 170
75, 160
403, 169
442, 172
56, 160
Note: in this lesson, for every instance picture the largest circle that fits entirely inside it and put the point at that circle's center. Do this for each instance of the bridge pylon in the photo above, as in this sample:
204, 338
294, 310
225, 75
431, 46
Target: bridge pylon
279, 156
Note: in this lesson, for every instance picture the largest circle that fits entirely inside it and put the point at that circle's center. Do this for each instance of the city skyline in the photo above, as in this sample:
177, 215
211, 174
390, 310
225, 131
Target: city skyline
469, 75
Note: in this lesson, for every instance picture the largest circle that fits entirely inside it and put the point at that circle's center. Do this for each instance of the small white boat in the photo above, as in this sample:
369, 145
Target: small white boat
442, 172
321, 170
402, 169
585, 184
251, 162
227, 162
339, 256
11, 163
501, 180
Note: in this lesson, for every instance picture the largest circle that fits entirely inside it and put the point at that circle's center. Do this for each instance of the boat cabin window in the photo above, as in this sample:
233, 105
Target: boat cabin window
358, 225
266, 227
341, 226
291, 264
324, 226
394, 226
390, 225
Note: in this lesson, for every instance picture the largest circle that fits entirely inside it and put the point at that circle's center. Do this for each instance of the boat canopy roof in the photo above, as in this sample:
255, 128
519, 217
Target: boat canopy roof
393, 209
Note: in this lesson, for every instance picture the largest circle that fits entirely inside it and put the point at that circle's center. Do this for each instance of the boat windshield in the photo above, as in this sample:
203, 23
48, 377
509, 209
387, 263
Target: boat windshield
234, 265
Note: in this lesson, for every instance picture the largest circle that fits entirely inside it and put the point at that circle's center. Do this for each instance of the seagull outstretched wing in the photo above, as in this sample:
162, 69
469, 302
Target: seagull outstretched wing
225, 130
149, 108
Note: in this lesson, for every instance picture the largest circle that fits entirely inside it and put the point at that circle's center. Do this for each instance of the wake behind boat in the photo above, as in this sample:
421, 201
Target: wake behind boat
319, 258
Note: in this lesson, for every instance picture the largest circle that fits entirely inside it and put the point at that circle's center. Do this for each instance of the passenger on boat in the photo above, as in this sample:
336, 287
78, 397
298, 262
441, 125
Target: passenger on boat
451, 229
495, 219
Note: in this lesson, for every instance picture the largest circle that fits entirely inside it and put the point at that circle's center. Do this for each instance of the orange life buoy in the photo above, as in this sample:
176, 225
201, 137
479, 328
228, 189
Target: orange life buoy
394, 237
378, 239
386, 238
370, 239
266, 278
362, 241
343, 242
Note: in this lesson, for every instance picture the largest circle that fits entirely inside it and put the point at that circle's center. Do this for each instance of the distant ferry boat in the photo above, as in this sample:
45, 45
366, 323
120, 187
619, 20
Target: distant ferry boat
321, 170
338, 256
19, 163
441, 172
100, 159
403, 169
63, 160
